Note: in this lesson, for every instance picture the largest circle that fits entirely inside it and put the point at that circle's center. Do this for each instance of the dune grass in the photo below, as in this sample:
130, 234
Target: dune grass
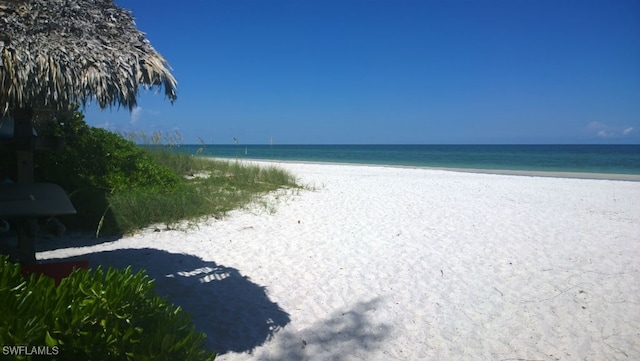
210, 187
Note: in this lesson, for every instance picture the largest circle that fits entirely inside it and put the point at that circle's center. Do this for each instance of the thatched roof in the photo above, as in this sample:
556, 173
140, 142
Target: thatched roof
58, 52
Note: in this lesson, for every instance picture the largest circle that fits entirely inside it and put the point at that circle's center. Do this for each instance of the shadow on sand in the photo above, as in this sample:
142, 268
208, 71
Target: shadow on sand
235, 313
342, 336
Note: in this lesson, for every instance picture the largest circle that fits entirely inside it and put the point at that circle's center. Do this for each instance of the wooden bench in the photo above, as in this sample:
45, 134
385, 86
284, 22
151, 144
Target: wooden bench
24, 203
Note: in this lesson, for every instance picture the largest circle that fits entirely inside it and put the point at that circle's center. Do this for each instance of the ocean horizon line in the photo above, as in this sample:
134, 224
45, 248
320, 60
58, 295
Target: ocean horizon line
598, 158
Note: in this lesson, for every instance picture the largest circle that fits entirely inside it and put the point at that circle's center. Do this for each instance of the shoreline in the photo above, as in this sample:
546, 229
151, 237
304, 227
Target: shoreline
526, 173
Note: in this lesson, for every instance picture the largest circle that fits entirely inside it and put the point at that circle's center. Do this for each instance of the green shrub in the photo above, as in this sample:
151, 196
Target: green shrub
97, 158
94, 164
93, 315
118, 187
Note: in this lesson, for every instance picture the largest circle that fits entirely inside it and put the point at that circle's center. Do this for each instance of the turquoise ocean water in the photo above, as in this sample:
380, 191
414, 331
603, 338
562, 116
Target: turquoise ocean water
609, 159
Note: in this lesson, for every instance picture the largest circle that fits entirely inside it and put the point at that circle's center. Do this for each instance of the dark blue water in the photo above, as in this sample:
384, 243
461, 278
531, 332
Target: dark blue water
612, 159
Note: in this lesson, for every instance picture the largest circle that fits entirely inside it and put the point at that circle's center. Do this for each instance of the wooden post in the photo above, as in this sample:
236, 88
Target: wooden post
27, 229
25, 166
23, 131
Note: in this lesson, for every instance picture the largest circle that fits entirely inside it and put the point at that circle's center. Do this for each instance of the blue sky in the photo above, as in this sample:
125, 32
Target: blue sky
392, 72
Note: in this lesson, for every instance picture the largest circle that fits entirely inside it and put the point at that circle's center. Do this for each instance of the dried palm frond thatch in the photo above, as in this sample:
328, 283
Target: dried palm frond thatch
54, 53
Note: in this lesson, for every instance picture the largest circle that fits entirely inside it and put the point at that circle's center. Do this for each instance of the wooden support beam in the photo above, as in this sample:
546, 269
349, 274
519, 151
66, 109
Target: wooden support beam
27, 229
25, 166
23, 129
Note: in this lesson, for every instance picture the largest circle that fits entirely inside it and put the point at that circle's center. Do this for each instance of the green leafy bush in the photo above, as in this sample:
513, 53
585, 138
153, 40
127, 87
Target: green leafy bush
118, 187
94, 164
94, 157
93, 315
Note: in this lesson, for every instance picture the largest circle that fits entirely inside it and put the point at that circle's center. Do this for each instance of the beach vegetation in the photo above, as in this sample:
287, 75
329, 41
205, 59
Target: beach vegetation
101, 314
118, 186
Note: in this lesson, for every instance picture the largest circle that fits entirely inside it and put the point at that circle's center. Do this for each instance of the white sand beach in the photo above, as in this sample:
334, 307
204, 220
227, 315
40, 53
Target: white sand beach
384, 263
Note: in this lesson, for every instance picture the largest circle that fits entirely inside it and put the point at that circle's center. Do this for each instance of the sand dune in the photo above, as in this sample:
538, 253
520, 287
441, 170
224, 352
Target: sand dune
382, 263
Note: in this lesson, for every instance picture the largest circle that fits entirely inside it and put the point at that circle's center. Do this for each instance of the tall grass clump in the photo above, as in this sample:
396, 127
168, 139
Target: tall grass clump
210, 187
119, 187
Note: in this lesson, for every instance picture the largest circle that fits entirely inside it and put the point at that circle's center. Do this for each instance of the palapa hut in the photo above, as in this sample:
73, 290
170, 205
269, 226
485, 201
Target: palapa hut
56, 53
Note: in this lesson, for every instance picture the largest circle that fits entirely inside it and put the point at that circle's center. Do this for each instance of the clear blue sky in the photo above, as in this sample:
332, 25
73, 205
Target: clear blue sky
394, 71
